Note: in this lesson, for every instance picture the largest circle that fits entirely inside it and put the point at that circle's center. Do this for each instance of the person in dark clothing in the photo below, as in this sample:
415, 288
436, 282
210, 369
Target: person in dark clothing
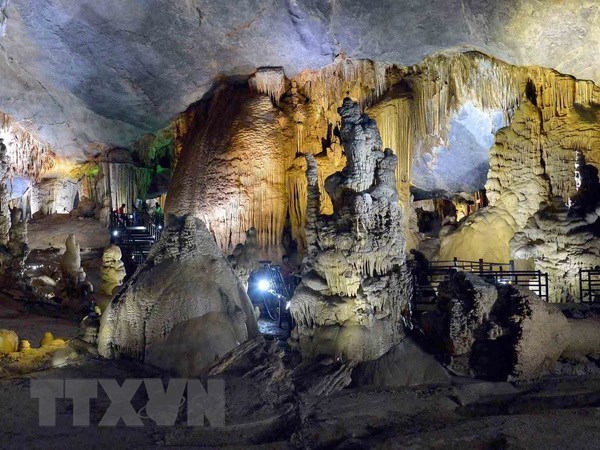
158, 214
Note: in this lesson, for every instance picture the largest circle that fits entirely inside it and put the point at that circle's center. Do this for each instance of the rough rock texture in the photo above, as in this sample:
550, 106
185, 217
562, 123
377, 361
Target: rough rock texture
57, 196
531, 161
13, 255
406, 364
183, 308
231, 171
355, 287
4, 195
112, 271
86, 208
560, 242
145, 68
562, 239
256, 362
508, 332
245, 257
438, 116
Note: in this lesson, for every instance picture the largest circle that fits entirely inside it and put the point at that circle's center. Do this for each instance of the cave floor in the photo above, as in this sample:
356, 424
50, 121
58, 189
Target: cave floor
52, 231
556, 413
18, 316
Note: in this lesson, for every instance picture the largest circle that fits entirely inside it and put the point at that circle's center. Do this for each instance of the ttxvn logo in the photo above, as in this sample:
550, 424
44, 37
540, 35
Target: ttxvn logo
163, 406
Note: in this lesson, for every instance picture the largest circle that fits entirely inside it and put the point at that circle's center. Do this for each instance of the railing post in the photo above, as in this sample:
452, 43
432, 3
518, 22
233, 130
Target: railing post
511, 265
455, 261
580, 287
480, 266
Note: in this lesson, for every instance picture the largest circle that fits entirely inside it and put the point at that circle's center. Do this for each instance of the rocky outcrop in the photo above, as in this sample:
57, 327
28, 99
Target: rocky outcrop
14, 253
355, 288
245, 257
183, 308
560, 242
507, 332
406, 364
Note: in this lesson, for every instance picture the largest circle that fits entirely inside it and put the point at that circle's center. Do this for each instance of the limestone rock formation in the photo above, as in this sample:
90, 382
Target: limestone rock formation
197, 41
112, 271
256, 362
9, 341
13, 255
355, 288
245, 257
71, 262
183, 308
4, 195
560, 242
406, 364
238, 182
531, 161
86, 208
507, 332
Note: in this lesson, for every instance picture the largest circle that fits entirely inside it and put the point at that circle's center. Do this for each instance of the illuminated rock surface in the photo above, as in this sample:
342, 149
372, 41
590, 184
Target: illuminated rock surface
145, 68
356, 255
183, 308
505, 332
113, 270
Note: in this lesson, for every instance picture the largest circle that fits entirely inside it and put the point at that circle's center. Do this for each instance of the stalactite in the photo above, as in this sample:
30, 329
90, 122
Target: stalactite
413, 107
27, 156
127, 184
270, 81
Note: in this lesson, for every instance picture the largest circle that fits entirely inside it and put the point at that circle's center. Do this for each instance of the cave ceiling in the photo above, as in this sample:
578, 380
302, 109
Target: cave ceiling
86, 74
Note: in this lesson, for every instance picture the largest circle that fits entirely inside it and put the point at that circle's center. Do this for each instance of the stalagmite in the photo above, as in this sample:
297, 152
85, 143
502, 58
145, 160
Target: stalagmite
112, 271
71, 262
355, 287
183, 308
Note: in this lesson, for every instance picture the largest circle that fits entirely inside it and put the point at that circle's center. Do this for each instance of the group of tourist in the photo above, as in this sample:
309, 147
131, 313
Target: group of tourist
139, 209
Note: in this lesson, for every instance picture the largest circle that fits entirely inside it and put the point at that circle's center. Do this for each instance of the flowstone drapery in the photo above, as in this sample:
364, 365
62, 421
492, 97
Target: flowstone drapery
4, 195
355, 288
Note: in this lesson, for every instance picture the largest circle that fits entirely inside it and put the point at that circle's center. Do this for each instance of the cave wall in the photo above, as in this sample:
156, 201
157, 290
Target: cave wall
240, 151
531, 161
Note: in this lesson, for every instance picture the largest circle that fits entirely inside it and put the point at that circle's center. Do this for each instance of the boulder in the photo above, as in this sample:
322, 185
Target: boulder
507, 332
406, 364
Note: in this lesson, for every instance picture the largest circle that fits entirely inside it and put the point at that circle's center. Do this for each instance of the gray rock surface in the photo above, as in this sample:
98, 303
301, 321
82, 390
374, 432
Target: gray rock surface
406, 364
83, 72
183, 308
